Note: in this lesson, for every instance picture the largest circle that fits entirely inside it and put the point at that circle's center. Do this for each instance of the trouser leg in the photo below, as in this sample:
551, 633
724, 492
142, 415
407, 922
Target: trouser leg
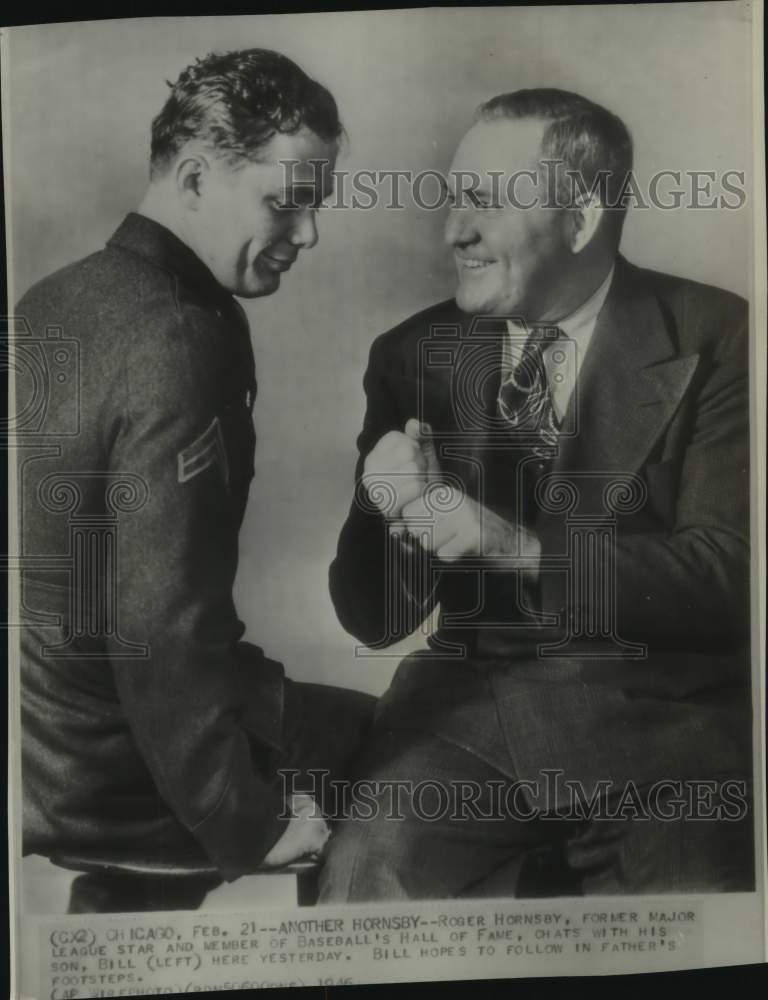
697, 848
324, 729
402, 854
429, 825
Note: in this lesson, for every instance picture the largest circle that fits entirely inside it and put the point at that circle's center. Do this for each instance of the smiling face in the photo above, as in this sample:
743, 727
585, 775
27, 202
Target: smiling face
249, 221
510, 260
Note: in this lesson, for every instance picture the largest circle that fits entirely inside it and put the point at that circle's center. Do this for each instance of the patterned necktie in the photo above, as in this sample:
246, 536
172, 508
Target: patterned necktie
525, 399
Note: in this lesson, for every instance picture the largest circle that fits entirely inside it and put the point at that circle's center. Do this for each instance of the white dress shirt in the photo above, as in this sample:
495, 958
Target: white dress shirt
562, 360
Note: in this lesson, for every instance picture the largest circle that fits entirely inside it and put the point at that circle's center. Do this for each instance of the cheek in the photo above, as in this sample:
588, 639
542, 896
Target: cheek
548, 230
278, 228
221, 225
265, 232
507, 239
532, 246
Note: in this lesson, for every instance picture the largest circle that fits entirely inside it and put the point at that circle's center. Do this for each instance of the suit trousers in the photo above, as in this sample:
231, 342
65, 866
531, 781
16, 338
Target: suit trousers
451, 819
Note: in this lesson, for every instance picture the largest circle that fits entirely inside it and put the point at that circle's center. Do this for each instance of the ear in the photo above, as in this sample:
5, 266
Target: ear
191, 177
585, 219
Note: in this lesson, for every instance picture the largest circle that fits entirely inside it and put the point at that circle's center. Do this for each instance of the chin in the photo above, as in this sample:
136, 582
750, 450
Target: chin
255, 293
258, 289
474, 303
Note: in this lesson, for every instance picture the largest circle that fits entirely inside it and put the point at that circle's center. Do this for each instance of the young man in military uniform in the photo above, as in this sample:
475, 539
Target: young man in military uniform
146, 721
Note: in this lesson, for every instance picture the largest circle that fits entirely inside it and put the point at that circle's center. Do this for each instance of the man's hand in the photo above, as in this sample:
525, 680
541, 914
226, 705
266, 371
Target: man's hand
306, 833
406, 470
461, 527
399, 467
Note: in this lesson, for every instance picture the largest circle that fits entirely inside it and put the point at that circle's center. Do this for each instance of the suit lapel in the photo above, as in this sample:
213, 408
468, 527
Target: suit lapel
629, 387
459, 382
630, 384
475, 388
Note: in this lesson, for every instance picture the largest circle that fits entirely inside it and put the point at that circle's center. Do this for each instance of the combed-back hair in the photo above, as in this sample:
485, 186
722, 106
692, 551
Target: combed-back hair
592, 144
236, 102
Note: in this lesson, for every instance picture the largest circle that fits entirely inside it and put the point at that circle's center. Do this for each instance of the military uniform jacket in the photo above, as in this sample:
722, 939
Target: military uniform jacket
145, 720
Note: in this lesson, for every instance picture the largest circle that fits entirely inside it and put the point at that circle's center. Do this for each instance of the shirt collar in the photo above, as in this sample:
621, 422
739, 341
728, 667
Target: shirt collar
577, 327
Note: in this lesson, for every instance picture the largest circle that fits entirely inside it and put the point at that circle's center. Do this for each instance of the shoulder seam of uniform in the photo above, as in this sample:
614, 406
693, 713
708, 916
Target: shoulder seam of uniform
171, 276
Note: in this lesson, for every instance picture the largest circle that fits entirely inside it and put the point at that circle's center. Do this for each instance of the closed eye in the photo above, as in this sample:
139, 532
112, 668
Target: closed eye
480, 201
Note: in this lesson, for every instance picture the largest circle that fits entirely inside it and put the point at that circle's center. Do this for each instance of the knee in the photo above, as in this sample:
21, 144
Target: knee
339, 863
364, 862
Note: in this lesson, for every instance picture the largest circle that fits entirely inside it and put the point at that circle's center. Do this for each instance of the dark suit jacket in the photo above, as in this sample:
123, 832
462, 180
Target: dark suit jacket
662, 397
147, 724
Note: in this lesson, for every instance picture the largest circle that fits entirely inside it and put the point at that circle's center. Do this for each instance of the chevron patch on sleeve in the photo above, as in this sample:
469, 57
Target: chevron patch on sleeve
205, 451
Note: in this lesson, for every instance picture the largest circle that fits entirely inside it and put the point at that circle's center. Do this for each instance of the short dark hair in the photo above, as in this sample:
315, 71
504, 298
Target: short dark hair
236, 102
592, 142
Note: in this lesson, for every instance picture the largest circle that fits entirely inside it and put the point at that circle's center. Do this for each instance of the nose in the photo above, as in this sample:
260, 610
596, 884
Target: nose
460, 229
304, 232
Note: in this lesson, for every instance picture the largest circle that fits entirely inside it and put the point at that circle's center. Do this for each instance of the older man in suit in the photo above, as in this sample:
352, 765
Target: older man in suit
147, 724
559, 459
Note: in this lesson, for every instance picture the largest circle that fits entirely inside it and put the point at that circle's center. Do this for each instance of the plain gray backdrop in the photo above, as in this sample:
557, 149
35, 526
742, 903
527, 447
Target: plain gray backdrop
82, 97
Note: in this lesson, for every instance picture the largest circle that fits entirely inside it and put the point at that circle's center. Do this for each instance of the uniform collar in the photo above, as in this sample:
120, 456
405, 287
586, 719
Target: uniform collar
149, 239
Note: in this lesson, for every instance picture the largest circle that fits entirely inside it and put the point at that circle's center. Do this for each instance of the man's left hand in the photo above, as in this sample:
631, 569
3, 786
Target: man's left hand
460, 527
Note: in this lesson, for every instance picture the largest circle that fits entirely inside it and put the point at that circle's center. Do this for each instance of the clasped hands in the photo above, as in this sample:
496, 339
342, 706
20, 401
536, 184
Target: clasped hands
417, 495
